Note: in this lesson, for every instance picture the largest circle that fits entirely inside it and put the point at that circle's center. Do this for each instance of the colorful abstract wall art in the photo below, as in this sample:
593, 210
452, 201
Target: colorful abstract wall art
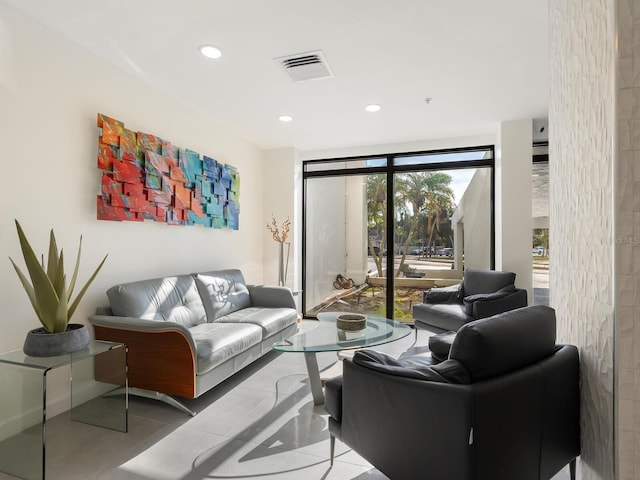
146, 177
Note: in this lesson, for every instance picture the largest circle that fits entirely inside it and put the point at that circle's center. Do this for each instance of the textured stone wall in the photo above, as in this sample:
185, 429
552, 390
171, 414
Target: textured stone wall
627, 240
581, 131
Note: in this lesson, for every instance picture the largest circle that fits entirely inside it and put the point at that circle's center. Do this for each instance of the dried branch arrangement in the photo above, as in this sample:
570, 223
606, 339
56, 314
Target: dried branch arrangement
281, 233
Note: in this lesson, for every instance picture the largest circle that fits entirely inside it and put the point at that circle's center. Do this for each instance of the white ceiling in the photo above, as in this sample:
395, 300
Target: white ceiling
480, 62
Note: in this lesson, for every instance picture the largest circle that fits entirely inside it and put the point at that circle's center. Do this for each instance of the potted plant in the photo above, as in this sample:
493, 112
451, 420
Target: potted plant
50, 297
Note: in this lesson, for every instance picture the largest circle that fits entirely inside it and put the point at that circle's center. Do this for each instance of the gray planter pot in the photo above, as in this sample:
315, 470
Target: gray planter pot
40, 343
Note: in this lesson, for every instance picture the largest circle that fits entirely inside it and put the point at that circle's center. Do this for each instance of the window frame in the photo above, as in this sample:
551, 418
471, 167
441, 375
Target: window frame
390, 170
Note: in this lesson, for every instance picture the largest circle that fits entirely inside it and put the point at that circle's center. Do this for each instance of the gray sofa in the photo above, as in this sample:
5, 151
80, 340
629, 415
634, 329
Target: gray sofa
187, 333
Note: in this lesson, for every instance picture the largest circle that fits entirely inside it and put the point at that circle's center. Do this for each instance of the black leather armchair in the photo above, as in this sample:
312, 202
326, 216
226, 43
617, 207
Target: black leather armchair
481, 294
503, 406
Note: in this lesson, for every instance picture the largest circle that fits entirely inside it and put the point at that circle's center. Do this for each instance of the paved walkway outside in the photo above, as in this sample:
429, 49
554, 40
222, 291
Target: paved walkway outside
540, 282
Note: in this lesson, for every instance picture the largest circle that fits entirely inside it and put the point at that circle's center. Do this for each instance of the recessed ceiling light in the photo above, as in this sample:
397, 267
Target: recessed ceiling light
285, 118
372, 108
210, 51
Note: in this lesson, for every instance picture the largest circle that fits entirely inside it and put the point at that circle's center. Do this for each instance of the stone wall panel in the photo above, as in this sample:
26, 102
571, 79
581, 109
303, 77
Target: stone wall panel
582, 202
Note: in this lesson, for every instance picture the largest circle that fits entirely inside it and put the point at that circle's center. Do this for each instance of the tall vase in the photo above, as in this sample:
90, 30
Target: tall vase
281, 270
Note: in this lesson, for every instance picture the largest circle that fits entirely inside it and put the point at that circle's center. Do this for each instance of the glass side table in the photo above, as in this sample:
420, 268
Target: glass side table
96, 371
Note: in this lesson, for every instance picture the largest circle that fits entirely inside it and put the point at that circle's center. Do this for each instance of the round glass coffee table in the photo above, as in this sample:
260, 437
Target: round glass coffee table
326, 337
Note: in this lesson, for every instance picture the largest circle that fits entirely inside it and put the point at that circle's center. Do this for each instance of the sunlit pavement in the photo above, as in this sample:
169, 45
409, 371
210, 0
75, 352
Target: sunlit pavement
541, 281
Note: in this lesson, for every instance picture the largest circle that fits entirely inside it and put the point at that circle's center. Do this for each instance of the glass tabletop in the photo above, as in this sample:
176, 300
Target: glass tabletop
18, 357
326, 337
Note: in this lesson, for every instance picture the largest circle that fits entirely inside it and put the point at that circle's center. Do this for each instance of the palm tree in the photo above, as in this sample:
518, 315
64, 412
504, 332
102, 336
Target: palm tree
420, 198
422, 195
377, 217
440, 212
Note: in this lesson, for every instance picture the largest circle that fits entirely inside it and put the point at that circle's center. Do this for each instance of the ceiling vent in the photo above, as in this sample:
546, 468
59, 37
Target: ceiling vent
306, 66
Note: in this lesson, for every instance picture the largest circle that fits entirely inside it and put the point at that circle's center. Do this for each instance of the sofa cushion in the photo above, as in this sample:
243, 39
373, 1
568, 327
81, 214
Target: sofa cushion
270, 320
450, 294
223, 292
417, 367
172, 299
485, 281
505, 342
444, 316
217, 342
475, 304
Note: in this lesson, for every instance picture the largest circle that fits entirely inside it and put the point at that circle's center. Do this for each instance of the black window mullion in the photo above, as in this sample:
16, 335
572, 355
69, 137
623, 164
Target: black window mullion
391, 247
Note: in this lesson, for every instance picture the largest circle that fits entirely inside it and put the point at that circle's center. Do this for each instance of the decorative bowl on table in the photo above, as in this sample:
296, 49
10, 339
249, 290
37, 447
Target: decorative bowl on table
351, 322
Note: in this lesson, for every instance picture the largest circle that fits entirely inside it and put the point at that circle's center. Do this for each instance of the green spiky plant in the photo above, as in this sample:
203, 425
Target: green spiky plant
48, 291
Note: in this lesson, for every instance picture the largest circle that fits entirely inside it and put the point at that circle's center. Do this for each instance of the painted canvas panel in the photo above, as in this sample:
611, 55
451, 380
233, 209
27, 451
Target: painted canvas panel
145, 177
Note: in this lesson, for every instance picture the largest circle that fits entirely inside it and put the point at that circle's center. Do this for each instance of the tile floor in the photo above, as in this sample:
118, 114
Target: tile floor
260, 424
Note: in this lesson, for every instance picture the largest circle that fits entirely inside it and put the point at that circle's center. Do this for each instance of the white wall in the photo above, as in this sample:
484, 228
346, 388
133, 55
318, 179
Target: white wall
50, 92
282, 194
474, 214
356, 228
514, 222
581, 201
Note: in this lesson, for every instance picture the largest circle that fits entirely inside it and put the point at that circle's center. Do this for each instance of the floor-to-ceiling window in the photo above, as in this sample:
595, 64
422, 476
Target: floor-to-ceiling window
540, 238
379, 231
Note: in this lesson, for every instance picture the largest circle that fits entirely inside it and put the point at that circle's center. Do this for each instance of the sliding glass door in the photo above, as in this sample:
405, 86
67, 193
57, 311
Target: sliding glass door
435, 210
345, 245
378, 232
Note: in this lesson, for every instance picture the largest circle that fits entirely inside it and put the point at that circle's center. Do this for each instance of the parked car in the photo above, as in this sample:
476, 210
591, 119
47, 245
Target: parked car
538, 251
